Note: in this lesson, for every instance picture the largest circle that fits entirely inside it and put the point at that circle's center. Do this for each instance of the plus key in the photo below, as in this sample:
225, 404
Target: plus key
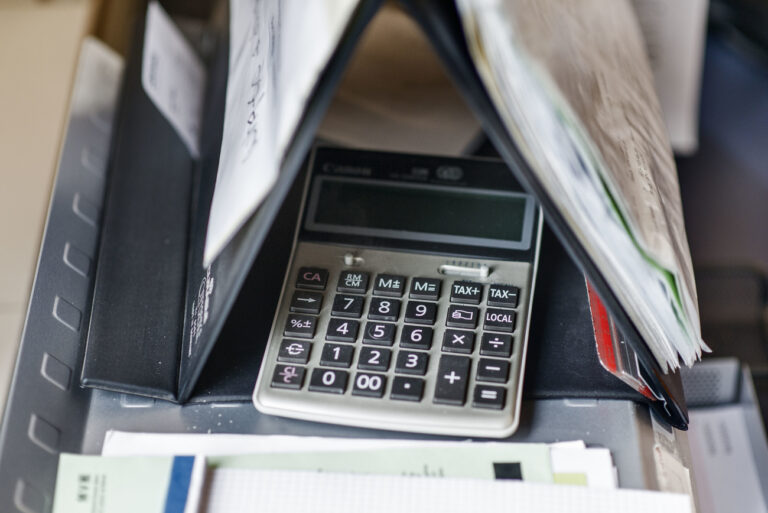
452, 377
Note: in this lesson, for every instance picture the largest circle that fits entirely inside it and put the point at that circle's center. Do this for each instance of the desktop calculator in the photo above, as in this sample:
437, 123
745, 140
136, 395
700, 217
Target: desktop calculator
407, 299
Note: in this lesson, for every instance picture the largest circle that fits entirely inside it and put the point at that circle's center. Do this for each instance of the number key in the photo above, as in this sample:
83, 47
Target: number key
374, 358
347, 306
382, 309
342, 330
379, 333
416, 337
411, 362
369, 385
420, 313
329, 381
337, 355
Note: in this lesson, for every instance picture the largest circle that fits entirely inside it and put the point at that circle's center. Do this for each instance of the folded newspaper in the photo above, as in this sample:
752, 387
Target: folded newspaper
573, 86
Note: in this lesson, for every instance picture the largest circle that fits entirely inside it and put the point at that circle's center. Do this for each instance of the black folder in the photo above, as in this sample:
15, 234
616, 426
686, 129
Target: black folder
157, 313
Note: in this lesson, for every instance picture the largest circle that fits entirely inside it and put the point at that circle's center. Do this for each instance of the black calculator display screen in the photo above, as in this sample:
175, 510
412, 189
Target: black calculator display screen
439, 213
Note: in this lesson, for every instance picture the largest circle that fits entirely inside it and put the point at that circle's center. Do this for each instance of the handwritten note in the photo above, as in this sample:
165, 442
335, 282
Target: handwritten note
173, 76
277, 51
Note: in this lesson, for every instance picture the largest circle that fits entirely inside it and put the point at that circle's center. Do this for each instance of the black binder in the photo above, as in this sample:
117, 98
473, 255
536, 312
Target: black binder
157, 313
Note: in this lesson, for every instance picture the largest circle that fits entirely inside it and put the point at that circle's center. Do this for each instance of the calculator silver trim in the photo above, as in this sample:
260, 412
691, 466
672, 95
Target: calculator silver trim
524, 244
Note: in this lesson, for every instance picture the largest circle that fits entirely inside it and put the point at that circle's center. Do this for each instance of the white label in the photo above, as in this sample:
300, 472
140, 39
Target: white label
173, 76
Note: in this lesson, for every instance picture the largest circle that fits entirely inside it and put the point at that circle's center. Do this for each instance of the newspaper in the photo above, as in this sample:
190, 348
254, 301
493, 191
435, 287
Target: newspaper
572, 83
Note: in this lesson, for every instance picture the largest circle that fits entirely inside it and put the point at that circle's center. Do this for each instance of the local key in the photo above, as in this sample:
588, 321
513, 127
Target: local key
499, 320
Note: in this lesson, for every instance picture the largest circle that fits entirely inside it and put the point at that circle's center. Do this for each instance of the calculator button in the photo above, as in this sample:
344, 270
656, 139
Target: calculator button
389, 285
418, 312
294, 351
456, 341
466, 292
342, 330
355, 282
312, 278
379, 333
306, 302
425, 288
337, 355
407, 389
383, 309
374, 358
300, 326
492, 370
347, 306
499, 320
411, 362
460, 316
288, 376
369, 385
452, 377
496, 345
504, 296
489, 397
416, 337
330, 381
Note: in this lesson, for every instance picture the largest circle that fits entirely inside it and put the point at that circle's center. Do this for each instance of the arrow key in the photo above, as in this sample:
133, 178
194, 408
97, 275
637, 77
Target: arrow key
306, 302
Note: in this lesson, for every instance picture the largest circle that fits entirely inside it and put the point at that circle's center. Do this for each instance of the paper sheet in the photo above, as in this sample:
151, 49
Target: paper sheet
529, 462
265, 491
173, 76
723, 465
590, 466
92, 484
596, 464
277, 51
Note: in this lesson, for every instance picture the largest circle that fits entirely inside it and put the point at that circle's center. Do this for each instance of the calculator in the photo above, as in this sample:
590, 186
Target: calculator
407, 299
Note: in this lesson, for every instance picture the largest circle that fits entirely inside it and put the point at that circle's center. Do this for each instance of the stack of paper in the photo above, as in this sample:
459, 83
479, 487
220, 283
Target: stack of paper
376, 473
572, 83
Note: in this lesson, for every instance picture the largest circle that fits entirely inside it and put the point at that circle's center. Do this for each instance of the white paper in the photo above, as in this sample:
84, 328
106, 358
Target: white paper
723, 465
277, 51
595, 463
675, 34
173, 76
274, 491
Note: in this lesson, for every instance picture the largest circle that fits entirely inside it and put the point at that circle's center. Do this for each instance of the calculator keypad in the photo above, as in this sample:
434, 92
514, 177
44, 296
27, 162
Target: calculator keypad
432, 340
